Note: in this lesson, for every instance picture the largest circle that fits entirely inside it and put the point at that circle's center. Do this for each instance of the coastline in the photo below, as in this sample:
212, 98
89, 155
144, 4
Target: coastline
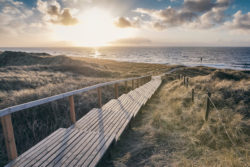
236, 58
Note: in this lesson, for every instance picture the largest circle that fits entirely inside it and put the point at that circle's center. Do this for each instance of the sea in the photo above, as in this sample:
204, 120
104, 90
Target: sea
237, 58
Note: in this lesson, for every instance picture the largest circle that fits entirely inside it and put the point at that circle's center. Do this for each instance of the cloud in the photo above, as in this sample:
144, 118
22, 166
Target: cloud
204, 5
192, 13
14, 17
53, 13
240, 21
123, 22
168, 17
198, 5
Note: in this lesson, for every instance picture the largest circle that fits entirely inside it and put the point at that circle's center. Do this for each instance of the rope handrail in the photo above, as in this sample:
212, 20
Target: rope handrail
10, 110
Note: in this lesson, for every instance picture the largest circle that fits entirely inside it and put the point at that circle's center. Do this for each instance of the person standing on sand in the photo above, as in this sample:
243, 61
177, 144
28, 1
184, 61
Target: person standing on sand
201, 59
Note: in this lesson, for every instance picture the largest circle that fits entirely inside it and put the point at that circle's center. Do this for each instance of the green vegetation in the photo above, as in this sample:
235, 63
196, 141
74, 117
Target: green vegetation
171, 129
26, 77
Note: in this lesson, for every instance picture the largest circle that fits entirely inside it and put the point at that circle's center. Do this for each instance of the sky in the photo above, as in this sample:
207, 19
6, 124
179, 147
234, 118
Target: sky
62, 23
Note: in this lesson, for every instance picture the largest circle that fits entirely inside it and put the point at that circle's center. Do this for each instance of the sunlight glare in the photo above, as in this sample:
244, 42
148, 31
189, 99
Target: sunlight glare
95, 28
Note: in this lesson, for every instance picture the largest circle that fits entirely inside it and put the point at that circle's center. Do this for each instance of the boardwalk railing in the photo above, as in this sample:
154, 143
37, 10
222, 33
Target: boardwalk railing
5, 114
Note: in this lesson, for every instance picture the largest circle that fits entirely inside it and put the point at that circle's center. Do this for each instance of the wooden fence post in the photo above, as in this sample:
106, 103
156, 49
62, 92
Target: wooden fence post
9, 137
116, 91
184, 79
99, 90
208, 106
133, 84
72, 109
126, 86
192, 95
137, 83
187, 81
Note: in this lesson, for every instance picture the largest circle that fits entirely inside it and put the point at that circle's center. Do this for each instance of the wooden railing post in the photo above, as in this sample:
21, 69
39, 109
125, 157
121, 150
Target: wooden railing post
192, 95
116, 91
9, 137
184, 80
187, 80
133, 84
126, 86
137, 83
99, 91
72, 109
208, 106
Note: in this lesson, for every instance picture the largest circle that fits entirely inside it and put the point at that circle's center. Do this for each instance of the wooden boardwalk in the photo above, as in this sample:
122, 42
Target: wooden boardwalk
85, 142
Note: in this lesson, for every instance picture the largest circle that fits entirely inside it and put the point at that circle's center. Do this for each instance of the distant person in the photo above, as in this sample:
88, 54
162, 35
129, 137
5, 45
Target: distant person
201, 59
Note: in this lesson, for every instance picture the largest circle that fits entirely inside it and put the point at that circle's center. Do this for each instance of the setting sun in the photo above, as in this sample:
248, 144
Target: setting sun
95, 28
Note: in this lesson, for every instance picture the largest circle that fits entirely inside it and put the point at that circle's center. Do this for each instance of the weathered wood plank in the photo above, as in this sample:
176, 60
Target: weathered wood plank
64, 149
80, 151
79, 147
54, 147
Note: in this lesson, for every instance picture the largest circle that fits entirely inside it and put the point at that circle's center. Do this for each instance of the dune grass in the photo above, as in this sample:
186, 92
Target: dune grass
171, 129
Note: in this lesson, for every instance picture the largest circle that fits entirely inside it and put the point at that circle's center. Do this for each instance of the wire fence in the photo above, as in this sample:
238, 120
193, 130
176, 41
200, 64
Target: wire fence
186, 81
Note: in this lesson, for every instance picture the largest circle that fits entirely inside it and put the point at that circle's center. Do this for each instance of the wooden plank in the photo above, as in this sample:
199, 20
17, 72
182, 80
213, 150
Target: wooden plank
101, 114
111, 102
60, 149
20, 159
112, 122
9, 137
82, 156
75, 150
95, 119
121, 116
98, 153
64, 149
112, 130
79, 152
72, 109
83, 122
97, 127
125, 124
48, 150
86, 118
138, 105
86, 125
